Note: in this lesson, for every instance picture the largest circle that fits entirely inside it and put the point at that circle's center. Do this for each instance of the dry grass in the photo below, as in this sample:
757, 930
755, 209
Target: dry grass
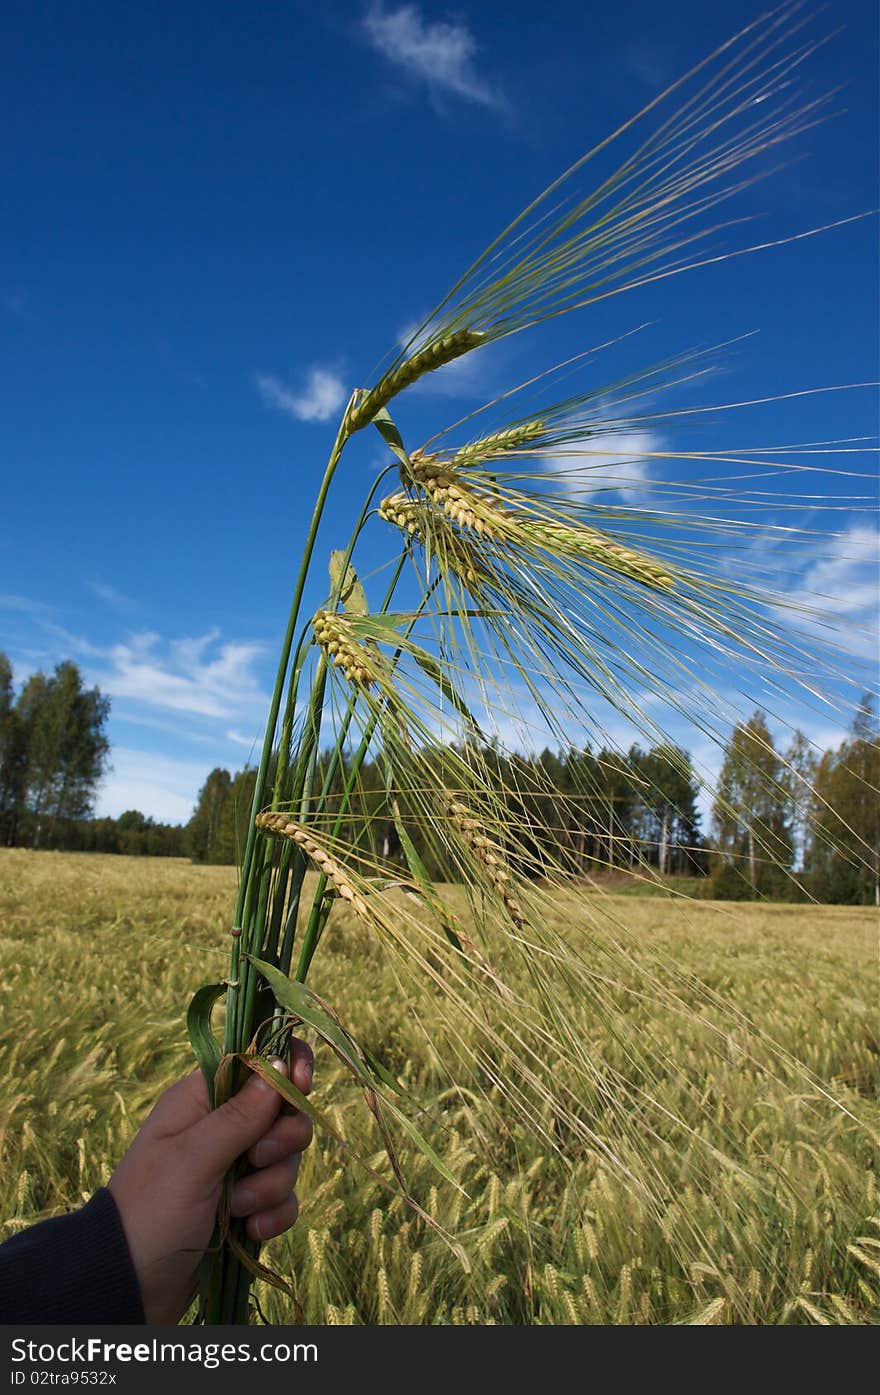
97, 959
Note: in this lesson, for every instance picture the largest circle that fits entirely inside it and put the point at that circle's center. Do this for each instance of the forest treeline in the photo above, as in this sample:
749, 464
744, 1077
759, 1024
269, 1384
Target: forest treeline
784, 824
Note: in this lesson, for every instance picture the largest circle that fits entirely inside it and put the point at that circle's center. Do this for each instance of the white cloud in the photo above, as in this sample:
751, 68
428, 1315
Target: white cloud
440, 54
200, 674
161, 787
613, 462
23, 605
238, 740
322, 398
836, 598
648, 62
16, 302
844, 577
134, 716
113, 598
197, 675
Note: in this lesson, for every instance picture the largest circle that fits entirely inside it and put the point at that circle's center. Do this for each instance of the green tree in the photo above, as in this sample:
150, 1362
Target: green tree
846, 841
801, 766
666, 815
130, 829
13, 756
63, 750
230, 834
614, 803
204, 826
750, 812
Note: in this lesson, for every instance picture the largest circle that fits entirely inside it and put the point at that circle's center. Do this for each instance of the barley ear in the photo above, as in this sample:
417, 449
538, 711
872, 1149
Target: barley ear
423, 361
500, 441
284, 827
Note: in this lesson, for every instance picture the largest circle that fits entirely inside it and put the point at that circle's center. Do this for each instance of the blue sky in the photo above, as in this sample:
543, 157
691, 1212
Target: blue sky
220, 218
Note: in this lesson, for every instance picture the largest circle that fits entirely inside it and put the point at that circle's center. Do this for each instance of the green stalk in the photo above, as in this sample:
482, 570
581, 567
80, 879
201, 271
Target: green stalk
249, 975
315, 923
304, 641
308, 750
227, 1297
232, 1042
261, 892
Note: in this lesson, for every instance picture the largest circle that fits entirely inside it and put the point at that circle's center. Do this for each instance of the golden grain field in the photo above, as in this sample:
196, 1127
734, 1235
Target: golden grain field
100, 955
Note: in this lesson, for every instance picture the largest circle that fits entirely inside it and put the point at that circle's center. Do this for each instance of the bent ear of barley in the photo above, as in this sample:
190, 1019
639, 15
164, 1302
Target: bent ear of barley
589, 545
282, 826
473, 511
333, 634
494, 863
405, 513
497, 443
459, 501
426, 360
414, 517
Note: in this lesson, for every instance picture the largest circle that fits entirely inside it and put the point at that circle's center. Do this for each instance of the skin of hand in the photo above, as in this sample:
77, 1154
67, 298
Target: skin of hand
168, 1185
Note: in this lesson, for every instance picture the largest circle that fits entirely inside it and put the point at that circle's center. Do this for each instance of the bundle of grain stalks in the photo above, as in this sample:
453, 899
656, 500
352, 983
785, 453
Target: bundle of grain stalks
515, 593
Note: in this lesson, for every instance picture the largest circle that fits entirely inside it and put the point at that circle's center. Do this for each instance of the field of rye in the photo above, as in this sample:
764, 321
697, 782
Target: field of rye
97, 960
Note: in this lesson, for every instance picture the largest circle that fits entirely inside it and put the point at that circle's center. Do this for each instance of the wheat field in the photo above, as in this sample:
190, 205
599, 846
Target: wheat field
99, 957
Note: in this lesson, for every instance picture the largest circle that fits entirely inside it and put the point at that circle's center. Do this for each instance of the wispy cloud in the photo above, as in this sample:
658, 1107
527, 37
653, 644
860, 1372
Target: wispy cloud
133, 715
844, 575
651, 63
200, 675
837, 598
470, 376
162, 787
321, 398
109, 594
204, 675
16, 302
23, 605
617, 462
238, 740
439, 54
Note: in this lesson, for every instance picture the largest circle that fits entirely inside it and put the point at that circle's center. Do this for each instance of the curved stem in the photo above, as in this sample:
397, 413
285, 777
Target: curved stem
302, 646
244, 891
316, 921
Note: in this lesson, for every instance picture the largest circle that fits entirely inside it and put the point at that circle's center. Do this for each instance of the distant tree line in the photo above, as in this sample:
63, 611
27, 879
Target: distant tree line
583, 808
785, 824
132, 833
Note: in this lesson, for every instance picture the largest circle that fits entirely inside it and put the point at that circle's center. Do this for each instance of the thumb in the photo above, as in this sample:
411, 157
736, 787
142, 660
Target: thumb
227, 1132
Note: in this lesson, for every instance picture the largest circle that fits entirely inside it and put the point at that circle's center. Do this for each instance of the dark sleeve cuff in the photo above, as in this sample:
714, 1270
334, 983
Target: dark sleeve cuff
70, 1269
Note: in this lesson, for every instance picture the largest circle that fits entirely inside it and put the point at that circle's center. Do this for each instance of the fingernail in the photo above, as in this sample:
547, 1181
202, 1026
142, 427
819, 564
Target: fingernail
277, 1064
268, 1151
244, 1201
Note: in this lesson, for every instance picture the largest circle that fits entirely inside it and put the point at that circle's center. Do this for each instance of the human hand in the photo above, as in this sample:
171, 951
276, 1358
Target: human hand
168, 1185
